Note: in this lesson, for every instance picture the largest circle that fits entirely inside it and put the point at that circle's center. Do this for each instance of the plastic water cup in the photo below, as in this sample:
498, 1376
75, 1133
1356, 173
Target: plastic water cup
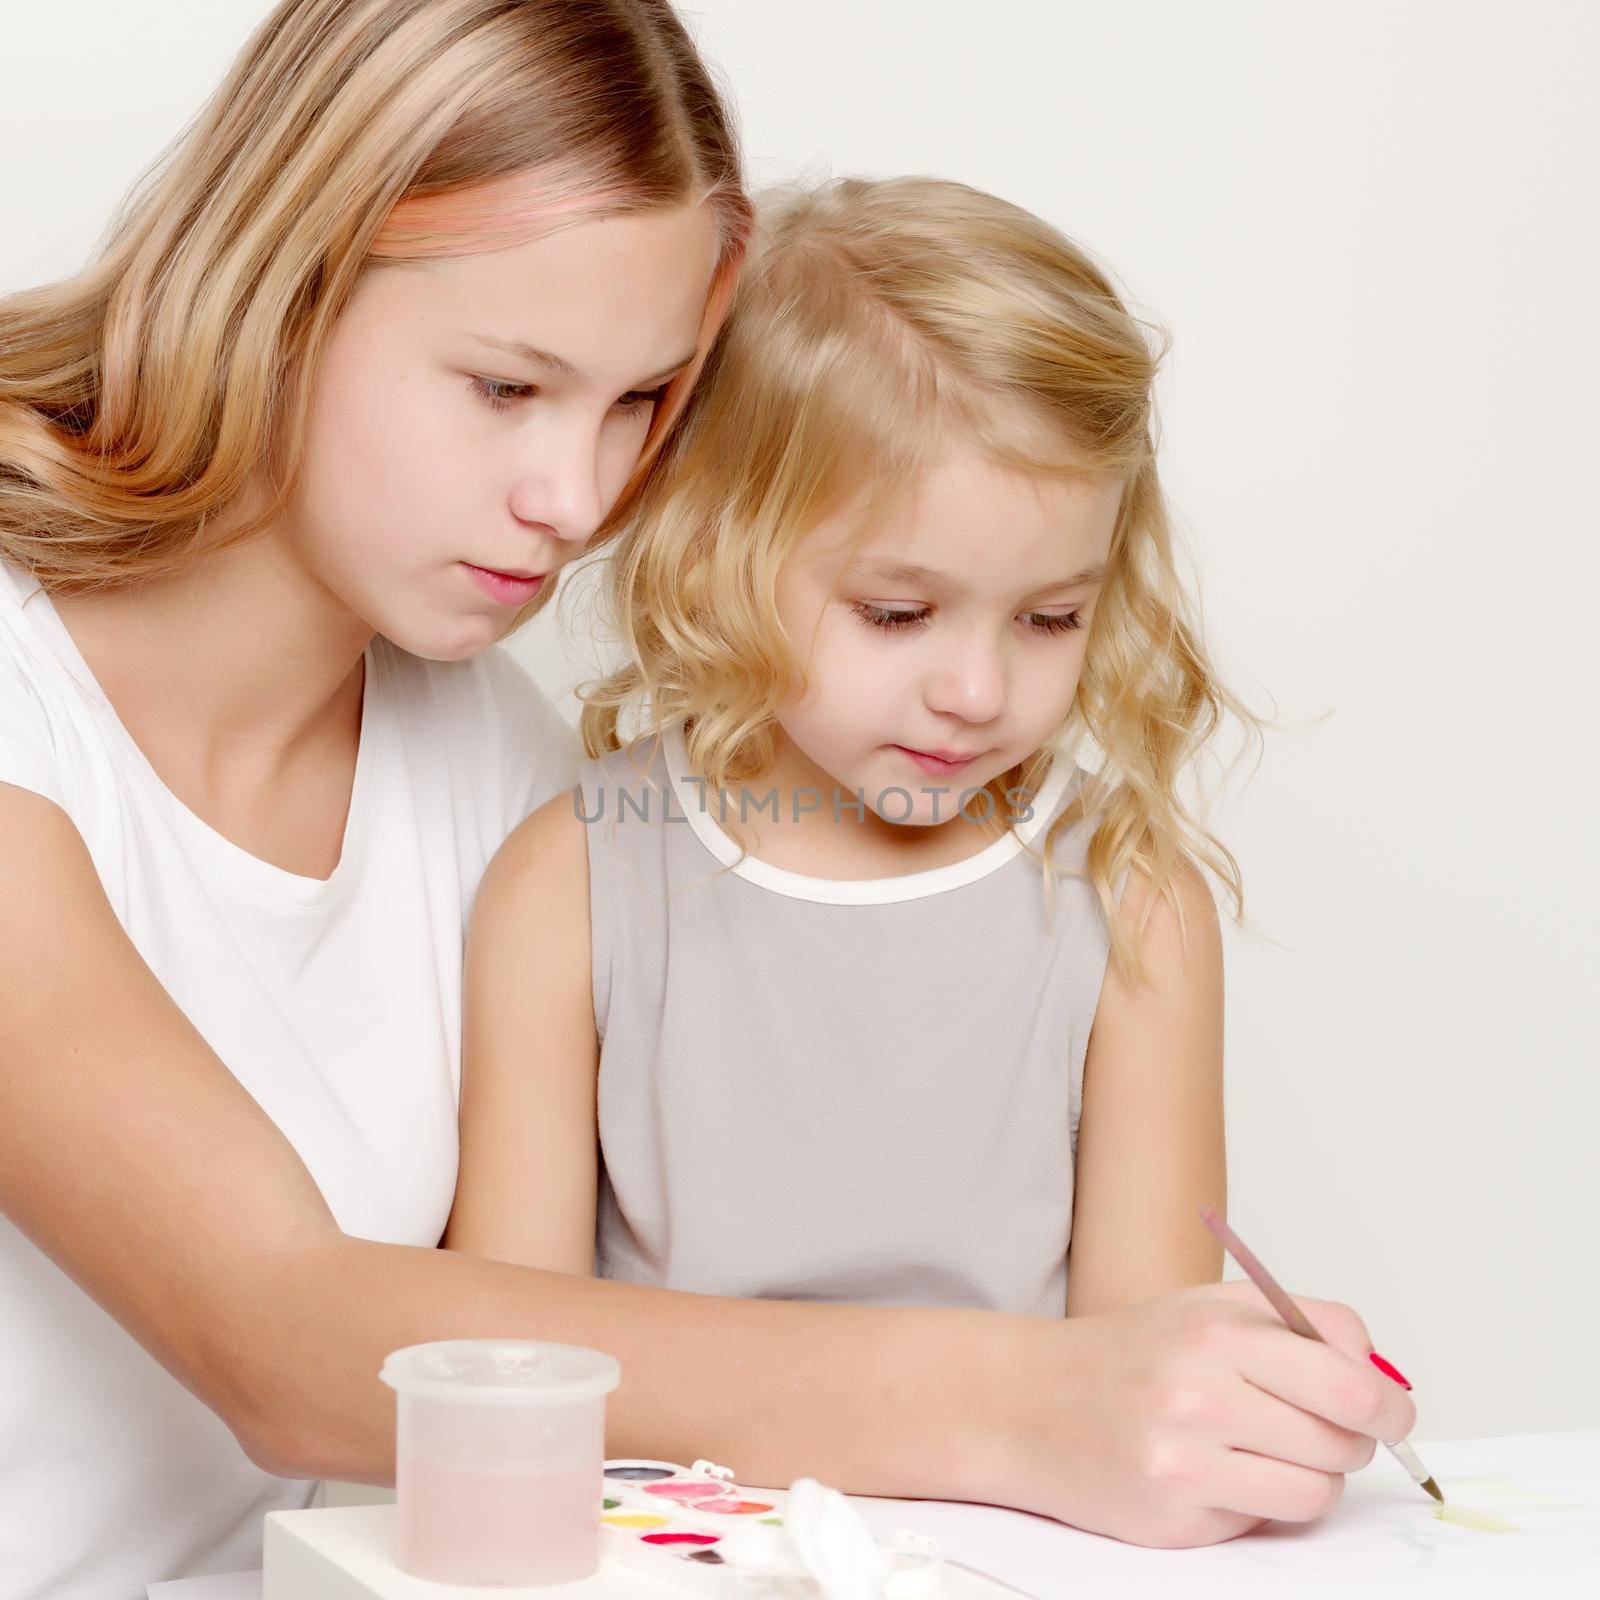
500, 1459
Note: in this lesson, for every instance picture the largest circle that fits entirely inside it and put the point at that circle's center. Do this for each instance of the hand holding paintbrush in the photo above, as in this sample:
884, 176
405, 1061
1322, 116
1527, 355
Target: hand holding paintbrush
1298, 1321
1195, 1415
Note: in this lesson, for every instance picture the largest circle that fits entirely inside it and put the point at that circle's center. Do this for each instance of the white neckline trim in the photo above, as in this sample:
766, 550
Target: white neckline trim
853, 891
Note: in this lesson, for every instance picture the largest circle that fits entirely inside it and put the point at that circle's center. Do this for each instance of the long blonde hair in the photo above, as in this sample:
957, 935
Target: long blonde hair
138, 399
877, 320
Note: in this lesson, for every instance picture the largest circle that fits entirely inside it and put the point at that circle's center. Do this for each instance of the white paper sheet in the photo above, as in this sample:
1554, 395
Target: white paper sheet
1383, 1540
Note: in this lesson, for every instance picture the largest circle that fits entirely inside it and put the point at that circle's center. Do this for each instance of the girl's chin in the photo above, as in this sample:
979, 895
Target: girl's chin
446, 638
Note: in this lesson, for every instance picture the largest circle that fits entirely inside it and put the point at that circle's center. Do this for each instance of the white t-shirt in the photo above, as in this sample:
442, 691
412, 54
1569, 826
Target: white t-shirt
335, 1003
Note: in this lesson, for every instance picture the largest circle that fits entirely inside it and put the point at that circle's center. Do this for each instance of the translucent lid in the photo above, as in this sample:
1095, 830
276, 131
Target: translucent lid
501, 1372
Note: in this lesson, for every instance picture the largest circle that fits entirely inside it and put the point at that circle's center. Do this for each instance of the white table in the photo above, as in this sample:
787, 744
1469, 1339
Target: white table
1383, 1540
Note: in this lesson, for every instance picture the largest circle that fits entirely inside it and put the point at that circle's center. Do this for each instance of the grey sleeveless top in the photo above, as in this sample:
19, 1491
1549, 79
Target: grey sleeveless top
819, 1089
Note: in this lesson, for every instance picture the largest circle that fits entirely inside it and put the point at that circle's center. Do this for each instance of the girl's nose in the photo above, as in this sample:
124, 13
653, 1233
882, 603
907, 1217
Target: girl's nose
559, 489
969, 683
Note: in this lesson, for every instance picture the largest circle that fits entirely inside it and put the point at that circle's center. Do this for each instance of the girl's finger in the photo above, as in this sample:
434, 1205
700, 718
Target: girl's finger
1256, 1486
1338, 1324
1266, 1425
1348, 1393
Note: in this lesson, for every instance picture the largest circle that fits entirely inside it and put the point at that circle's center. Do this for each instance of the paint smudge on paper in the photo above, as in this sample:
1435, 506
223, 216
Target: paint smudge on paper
1478, 1521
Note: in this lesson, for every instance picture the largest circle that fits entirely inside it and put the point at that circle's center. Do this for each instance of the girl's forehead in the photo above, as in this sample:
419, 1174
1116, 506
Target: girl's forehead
627, 289
967, 510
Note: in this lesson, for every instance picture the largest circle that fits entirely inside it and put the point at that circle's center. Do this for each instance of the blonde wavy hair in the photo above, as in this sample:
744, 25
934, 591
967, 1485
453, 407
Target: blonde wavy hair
140, 398
878, 320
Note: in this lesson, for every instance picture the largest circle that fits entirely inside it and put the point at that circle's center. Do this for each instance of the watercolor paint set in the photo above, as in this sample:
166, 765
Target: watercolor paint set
695, 1528
675, 1523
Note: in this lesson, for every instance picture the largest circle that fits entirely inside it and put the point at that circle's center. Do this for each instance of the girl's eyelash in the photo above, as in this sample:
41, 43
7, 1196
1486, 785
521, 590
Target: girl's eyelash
643, 397
499, 394
877, 617
1051, 622
896, 621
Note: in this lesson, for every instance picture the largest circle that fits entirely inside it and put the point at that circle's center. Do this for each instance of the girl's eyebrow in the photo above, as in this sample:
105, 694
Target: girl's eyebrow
909, 572
563, 368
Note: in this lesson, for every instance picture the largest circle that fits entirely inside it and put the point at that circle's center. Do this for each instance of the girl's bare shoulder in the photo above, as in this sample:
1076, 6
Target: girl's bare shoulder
544, 858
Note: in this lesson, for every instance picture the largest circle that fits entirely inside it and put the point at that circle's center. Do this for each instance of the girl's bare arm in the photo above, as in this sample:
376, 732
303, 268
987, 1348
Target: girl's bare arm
529, 1165
1150, 1137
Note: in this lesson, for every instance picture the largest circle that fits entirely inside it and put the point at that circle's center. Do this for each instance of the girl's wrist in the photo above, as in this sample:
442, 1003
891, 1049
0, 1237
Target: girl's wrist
967, 1373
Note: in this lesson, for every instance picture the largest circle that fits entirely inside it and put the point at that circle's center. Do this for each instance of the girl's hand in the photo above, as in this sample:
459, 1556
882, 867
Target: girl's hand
1194, 1417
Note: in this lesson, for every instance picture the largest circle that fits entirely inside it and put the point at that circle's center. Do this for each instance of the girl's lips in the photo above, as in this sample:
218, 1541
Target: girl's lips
935, 764
505, 587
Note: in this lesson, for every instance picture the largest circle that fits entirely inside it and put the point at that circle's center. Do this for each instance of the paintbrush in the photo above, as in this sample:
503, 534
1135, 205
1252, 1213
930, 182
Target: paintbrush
1296, 1318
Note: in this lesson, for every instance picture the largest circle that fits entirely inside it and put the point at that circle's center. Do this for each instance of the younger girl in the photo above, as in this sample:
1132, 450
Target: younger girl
912, 556
885, 997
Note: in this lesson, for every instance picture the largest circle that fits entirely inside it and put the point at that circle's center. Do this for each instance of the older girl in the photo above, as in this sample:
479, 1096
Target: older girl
271, 485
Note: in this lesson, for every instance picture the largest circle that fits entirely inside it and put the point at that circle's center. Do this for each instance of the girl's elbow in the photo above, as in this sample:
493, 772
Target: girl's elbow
291, 1441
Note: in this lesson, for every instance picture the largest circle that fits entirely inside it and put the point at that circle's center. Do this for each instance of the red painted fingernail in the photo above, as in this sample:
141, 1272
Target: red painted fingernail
1388, 1369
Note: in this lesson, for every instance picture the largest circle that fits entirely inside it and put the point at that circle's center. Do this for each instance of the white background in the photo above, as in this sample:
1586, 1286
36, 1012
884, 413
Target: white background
1371, 228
